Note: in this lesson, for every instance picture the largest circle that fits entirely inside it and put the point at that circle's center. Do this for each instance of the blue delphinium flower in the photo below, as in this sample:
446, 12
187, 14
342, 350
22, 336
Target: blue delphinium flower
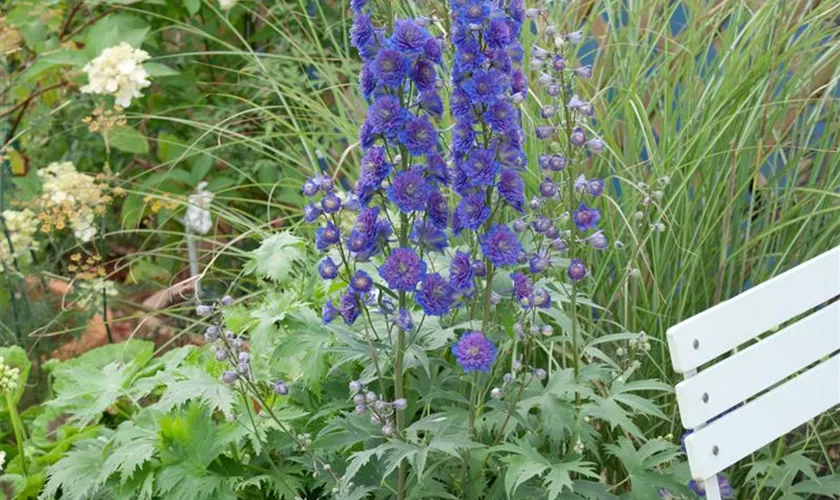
576, 271
523, 289
428, 235
349, 308
474, 352
329, 312
386, 116
404, 321
512, 189
700, 489
418, 135
586, 218
471, 213
437, 209
361, 282
403, 269
327, 236
327, 269
501, 246
434, 295
461, 273
409, 191
409, 37
391, 67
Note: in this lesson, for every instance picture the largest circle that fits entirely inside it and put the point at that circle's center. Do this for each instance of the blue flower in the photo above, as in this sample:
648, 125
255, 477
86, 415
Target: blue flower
409, 191
327, 269
330, 203
512, 189
364, 236
348, 307
471, 213
474, 352
329, 312
367, 82
468, 55
433, 51
501, 246
409, 37
500, 116
498, 34
437, 209
436, 169
361, 282
586, 218
326, 236
427, 235
374, 169
523, 289
463, 137
473, 11
311, 212
430, 102
723, 484
358, 5
434, 295
402, 270
404, 321
361, 32
460, 273
386, 116
367, 137
481, 167
424, 74
485, 86
391, 67
418, 136
576, 271
460, 103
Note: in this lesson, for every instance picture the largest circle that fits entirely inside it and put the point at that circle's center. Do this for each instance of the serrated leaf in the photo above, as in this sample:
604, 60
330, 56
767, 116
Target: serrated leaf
194, 384
559, 477
276, 256
77, 475
520, 469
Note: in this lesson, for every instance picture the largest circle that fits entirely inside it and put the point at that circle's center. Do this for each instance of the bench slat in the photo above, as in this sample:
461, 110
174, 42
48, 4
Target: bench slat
729, 324
758, 367
752, 426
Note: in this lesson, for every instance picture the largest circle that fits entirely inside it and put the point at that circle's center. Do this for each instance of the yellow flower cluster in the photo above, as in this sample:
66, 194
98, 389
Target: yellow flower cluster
157, 204
21, 226
71, 198
89, 269
8, 377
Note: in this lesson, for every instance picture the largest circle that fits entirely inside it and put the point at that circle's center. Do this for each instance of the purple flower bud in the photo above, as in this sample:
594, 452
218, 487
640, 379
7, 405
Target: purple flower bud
355, 386
578, 137
575, 102
311, 212
495, 298
536, 63
221, 354
522, 257
242, 368
539, 263
280, 388
496, 393
550, 30
230, 378
587, 109
517, 365
553, 89
545, 131
404, 321
584, 71
309, 188
535, 203
479, 268
400, 404
541, 224
244, 357
548, 112
532, 13
331, 203
227, 300
557, 163
212, 333
596, 145
598, 241
387, 430
517, 98
547, 331
204, 310
359, 399
551, 232
577, 271
594, 187
380, 406
361, 409
519, 225
539, 52
558, 244
581, 183
325, 183
376, 419
370, 397
558, 63
575, 37
540, 374
507, 378
548, 188
545, 80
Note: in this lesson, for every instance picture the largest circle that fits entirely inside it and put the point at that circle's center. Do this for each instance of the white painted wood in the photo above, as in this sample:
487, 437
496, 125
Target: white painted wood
734, 380
729, 324
712, 488
748, 428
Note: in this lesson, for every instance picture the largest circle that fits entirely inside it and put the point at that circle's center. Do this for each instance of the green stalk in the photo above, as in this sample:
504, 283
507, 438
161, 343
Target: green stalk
17, 426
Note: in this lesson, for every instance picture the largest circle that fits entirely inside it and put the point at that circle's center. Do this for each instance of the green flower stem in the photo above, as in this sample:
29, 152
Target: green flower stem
20, 433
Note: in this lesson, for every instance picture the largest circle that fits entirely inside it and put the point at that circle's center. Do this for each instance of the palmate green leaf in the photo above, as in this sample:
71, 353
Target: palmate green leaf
642, 466
276, 256
825, 485
559, 476
284, 482
519, 470
78, 475
189, 443
194, 384
86, 393
132, 446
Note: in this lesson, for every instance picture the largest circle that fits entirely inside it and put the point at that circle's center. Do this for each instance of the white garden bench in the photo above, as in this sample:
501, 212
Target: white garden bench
813, 339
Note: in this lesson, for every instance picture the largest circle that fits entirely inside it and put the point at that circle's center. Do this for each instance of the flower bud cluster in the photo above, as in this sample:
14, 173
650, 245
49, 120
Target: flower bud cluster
381, 411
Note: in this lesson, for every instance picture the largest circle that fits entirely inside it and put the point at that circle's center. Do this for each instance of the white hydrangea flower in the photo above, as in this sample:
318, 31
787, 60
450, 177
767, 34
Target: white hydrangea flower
227, 4
22, 226
72, 197
198, 219
118, 71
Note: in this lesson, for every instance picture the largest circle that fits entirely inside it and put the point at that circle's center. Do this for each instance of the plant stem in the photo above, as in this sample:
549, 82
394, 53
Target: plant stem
18, 429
